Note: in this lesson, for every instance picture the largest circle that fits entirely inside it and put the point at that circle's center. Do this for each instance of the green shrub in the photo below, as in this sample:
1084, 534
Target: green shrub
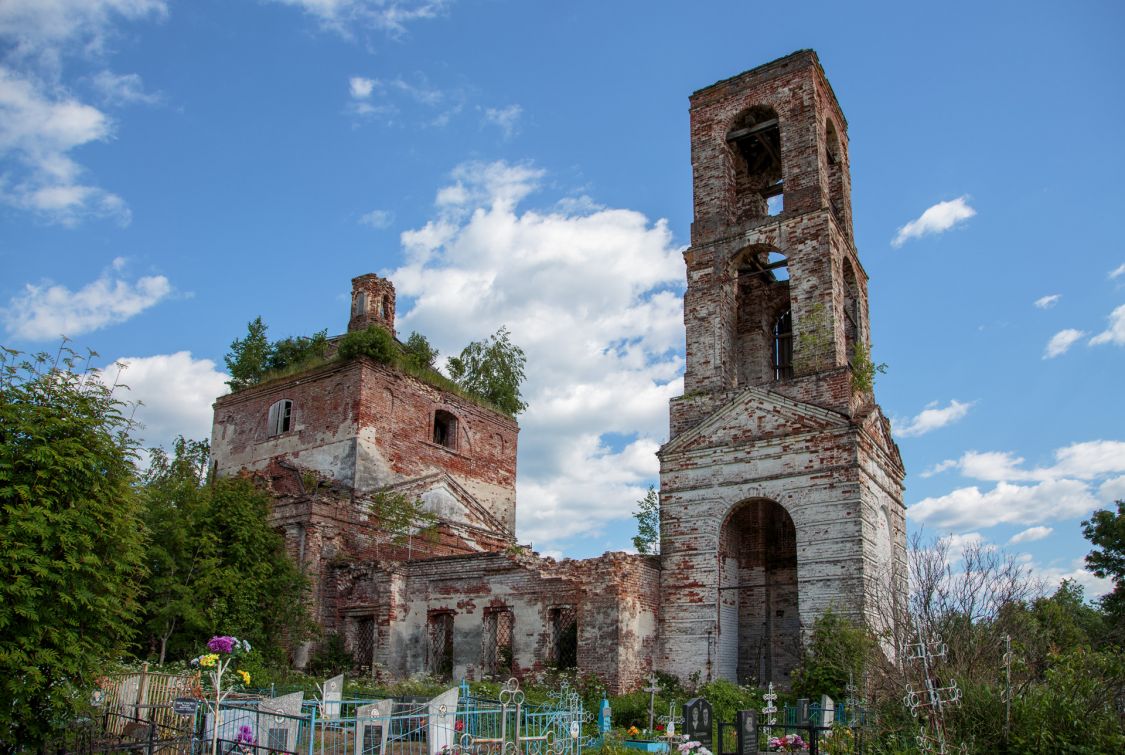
373, 342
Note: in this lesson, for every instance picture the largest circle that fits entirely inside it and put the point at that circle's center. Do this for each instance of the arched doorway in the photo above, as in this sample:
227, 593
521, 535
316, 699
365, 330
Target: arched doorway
759, 623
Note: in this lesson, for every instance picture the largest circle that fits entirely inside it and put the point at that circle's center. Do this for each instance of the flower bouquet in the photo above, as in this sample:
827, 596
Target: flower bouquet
787, 743
224, 650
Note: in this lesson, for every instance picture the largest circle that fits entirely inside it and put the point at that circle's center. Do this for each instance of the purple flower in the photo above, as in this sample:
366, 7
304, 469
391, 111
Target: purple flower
246, 736
221, 644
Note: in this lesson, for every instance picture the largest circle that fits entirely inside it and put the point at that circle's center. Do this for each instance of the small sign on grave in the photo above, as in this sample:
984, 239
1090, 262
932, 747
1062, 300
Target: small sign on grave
698, 721
185, 706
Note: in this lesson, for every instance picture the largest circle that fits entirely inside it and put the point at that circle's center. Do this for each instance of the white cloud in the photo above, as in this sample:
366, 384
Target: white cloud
175, 393
1062, 341
1051, 576
1115, 333
1087, 460
46, 311
390, 16
969, 508
41, 121
360, 87
123, 89
507, 118
940, 467
931, 418
377, 218
592, 296
1112, 490
1031, 534
1117, 272
937, 219
1046, 302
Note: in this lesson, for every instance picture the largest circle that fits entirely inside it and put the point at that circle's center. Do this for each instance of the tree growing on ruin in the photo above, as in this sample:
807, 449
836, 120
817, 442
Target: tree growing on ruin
248, 358
647, 539
492, 369
71, 528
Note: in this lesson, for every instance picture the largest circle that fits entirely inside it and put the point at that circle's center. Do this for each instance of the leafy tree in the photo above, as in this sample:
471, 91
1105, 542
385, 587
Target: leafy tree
647, 539
419, 352
402, 517
214, 562
836, 653
72, 535
248, 358
1106, 530
292, 352
493, 370
373, 342
179, 555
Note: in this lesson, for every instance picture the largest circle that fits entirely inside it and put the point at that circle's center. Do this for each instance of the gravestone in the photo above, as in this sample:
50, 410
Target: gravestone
605, 717
372, 727
827, 711
802, 710
698, 721
279, 721
330, 695
747, 721
442, 713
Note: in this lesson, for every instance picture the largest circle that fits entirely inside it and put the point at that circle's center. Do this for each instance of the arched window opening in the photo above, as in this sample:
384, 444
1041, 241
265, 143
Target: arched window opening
851, 310
383, 308
759, 620
755, 142
783, 346
835, 172
280, 418
761, 290
445, 429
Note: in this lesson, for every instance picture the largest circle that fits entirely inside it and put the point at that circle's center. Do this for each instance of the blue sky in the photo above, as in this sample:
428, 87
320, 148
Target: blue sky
170, 170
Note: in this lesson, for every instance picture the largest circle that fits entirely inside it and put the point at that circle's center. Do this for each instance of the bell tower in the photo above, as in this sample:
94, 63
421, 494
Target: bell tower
781, 489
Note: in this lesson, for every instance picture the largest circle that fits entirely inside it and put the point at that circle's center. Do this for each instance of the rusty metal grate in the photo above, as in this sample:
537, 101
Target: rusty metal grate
441, 645
496, 655
363, 654
564, 637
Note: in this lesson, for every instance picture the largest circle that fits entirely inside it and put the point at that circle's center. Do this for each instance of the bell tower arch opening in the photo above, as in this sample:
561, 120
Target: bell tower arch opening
763, 332
754, 140
759, 622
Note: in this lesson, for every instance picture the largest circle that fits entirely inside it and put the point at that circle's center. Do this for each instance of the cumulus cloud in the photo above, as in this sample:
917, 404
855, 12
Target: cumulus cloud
937, 219
1046, 302
390, 16
506, 118
1031, 534
360, 87
47, 311
1115, 333
1062, 490
1112, 490
593, 297
174, 393
970, 508
41, 122
931, 418
1061, 342
377, 218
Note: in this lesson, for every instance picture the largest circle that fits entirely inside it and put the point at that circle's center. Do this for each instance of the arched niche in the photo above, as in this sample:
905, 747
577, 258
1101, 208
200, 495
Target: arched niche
759, 619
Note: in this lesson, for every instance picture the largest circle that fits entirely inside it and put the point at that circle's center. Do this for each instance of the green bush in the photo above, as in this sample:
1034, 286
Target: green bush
373, 342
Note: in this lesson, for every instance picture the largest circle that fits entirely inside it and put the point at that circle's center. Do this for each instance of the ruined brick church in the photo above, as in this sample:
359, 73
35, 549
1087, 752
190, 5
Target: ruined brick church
780, 486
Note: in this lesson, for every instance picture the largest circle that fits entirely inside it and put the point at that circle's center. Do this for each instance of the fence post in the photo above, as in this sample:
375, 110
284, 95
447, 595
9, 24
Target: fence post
312, 730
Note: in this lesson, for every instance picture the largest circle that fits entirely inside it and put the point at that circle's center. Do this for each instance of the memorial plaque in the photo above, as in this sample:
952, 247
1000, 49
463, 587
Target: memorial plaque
372, 725
698, 723
747, 721
185, 706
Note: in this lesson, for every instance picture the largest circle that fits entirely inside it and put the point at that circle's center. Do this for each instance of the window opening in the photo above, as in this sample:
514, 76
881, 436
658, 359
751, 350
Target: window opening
280, 417
835, 171
755, 141
564, 637
498, 633
445, 429
783, 346
441, 645
383, 308
364, 653
851, 310
359, 304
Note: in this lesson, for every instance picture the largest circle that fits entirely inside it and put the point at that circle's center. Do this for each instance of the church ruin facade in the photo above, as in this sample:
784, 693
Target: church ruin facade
781, 489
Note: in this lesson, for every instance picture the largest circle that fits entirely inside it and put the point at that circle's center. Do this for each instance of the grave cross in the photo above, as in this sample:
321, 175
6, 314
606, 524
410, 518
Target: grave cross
670, 721
770, 709
651, 689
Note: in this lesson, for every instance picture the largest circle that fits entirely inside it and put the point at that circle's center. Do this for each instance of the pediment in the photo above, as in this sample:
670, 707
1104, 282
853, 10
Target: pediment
449, 501
755, 414
878, 428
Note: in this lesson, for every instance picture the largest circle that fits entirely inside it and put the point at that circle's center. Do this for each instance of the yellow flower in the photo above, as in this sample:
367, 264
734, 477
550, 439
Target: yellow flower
245, 676
209, 660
